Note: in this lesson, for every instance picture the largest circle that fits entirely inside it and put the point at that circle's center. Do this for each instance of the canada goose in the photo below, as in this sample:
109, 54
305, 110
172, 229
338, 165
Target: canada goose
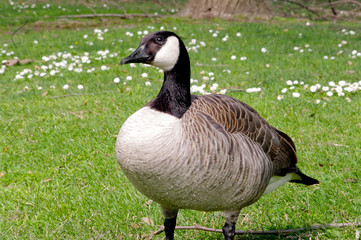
208, 153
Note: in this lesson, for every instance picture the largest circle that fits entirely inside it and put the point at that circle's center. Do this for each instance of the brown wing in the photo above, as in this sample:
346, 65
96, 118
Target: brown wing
237, 117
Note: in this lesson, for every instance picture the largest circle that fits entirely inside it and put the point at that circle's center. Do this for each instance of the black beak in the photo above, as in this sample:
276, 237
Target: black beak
138, 56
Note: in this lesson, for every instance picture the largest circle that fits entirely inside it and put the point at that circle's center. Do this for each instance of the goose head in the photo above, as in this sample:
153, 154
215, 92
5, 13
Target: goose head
166, 51
162, 49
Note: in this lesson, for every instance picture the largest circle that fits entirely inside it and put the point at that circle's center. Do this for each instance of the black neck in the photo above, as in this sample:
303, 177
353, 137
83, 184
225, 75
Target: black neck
174, 97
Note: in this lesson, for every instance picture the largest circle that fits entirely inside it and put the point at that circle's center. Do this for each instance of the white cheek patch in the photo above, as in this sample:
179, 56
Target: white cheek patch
167, 56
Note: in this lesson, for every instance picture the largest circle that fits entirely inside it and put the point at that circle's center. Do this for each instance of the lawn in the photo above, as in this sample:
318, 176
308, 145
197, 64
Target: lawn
60, 114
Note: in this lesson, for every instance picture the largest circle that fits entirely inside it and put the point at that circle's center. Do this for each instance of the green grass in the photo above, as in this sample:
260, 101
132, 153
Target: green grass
58, 174
21, 11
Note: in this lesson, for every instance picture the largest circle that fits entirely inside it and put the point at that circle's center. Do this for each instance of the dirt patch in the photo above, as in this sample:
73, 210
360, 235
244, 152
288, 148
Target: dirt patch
76, 24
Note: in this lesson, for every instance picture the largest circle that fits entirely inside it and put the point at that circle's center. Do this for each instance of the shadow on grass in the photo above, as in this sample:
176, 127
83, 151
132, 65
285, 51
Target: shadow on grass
297, 234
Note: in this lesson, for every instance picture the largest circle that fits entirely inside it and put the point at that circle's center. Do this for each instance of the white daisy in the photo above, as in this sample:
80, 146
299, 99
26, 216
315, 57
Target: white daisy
296, 94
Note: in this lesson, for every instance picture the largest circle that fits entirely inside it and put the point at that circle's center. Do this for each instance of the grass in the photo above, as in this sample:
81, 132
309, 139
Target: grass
58, 175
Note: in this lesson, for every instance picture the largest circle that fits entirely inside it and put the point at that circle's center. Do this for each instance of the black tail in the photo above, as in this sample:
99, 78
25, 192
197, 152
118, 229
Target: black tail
305, 179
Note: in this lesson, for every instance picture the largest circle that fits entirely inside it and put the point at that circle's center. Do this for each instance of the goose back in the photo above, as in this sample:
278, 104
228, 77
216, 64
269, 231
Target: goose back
237, 117
221, 154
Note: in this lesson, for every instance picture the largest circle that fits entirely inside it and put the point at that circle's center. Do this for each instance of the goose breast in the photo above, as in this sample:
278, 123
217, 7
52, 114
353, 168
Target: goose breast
196, 161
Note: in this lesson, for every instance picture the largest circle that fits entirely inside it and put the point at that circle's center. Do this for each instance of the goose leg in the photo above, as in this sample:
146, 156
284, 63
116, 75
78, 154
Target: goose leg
170, 222
230, 227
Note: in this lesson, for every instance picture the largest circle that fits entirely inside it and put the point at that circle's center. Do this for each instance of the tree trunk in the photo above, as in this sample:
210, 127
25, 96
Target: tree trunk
227, 8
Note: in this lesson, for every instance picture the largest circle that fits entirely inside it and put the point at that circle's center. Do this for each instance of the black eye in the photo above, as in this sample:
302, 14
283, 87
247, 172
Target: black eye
159, 39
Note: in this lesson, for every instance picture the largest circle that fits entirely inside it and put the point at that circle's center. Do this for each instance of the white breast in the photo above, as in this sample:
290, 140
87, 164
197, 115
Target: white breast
145, 138
180, 168
147, 149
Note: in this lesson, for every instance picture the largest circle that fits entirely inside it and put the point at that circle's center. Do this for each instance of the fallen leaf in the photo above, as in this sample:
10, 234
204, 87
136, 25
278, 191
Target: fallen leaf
2, 174
134, 225
350, 180
78, 114
148, 221
48, 180
11, 62
26, 61
44, 93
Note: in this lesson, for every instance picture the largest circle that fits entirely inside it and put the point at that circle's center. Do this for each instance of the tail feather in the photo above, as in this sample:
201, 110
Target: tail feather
305, 179
296, 177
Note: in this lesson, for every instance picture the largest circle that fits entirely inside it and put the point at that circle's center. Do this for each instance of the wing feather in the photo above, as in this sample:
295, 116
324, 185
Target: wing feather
233, 116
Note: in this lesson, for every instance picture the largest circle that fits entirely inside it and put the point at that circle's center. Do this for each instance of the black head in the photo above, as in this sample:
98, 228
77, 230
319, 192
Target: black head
161, 49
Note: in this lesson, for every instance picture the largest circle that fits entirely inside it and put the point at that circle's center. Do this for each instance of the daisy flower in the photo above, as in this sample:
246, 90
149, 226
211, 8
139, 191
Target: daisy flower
296, 94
